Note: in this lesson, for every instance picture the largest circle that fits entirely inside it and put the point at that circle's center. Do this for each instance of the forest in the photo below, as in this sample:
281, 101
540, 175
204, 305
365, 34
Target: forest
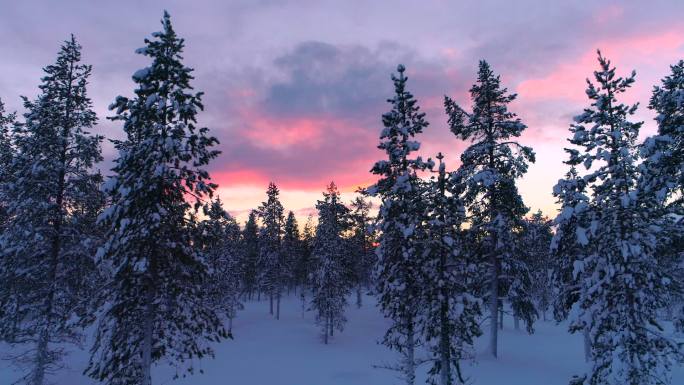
143, 264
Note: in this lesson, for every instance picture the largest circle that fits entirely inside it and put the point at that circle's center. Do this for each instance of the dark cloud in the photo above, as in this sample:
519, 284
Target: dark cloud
322, 78
341, 92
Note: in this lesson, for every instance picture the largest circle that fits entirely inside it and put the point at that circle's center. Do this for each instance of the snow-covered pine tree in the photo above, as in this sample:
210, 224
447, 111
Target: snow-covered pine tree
7, 121
292, 250
46, 268
398, 223
304, 265
272, 266
361, 245
671, 253
536, 244
663, 167
622, 285
450, 275
662, 177
249, 265
568, 247
518, 287
490, 166
329, 285
218, 239
154, 309
300, 267
309, 231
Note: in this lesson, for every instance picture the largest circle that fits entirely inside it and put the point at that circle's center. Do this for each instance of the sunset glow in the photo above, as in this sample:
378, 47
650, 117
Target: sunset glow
295, 102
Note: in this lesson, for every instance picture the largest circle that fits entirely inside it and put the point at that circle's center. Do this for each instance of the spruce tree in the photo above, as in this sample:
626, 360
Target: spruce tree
46, 267
329, 285
249, 266
536, 243
361, 245
398, 223
292, 250
304, 265
270, 247
451, 311
568, 247
218, 238
7, 121
663, 168
489, 169
300, 262
154, 308
622, 286
662, 177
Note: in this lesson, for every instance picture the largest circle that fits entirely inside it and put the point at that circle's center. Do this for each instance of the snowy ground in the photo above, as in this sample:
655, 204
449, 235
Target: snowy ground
290, 352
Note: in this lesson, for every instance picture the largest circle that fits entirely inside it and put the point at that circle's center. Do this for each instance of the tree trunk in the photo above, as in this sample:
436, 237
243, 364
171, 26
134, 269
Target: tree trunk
494, 284
56, 246
330, 317
587, 345
230, 324
410, 354
325, 331
38, 376
358, 296
445, 341
516, 322
42, 349
147, 339
278, 305
270, 300
501, 315
494, 307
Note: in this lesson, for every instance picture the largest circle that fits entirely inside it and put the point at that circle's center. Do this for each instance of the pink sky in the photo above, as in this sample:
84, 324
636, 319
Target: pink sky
295, 90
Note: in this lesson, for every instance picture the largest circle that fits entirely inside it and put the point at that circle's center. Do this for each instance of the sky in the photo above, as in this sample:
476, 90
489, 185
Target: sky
294, 90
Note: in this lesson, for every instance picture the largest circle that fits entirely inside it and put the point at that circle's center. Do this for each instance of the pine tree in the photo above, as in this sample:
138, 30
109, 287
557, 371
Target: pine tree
622, 286
292, 250
270, 247
490, 166
46, 267
361, 246
249, 266
567, 248
663, 168
219, 241
7, 121
397, 278
662, 176
671, 253
536, 243
304, 265
154, 308
451, 311
329, 284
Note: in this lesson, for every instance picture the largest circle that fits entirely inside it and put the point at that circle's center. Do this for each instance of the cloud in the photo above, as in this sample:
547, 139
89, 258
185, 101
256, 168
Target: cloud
317, 118
323, 79
294, 90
